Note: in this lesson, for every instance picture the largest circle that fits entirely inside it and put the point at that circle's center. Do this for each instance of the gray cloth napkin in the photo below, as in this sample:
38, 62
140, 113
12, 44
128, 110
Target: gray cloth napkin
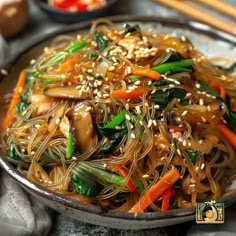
20, 213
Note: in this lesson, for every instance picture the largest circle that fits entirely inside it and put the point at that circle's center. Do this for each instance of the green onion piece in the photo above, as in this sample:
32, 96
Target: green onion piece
162, 68
74, 47
117, 120
70, 146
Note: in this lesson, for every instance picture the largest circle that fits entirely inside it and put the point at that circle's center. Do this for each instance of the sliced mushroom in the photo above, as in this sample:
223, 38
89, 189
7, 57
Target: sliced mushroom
82, 127
69, 92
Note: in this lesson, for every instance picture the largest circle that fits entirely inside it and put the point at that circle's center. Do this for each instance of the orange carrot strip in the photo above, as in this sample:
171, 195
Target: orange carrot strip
15, 99
217, 87
70, 62
128, 94
145, 71
227, 133
124, 174
156, 190
220, 88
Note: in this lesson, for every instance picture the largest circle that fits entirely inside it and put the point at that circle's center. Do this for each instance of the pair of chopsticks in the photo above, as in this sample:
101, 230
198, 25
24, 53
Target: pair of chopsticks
190, 9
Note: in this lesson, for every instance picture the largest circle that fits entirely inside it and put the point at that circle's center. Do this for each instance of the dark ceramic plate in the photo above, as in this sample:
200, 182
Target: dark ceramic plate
72, 17
207, 40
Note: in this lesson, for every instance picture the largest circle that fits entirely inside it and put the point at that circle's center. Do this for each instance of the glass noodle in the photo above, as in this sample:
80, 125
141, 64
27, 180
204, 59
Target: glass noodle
118, 116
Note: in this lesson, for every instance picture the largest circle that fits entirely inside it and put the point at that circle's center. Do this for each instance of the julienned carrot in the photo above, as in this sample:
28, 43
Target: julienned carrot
15, 99
156, 190
128, 94
220, 89
70, 62
124, 174
145, 71
227, 133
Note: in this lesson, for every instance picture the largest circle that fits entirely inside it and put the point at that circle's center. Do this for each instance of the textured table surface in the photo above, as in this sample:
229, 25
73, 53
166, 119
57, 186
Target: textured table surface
40, 24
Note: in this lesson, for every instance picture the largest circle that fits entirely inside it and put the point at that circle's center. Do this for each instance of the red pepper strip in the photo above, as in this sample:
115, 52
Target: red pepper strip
130, 185
135, 94
166, 199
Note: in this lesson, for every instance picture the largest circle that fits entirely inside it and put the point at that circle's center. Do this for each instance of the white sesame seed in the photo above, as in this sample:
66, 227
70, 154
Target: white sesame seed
156, 106
184, 113
132, 135
111, 68
127, 117
197, 85
178, 151
202, 166
200, 141
201, 102
149, 123
145, 176
184, 143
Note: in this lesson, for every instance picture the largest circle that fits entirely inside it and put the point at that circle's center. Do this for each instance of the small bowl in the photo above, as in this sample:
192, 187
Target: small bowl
72, 17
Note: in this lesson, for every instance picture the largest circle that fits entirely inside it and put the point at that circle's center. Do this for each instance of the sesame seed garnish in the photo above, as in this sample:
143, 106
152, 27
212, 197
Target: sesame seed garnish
149, 123
118, 128
141, 122
156, 106
184, 113
200, 141
197, 85
201, 101
111, 68
192, 185
137, 82
171, 85
127, 116
132, 135
202, 166
178, 151
4, 72
73, 158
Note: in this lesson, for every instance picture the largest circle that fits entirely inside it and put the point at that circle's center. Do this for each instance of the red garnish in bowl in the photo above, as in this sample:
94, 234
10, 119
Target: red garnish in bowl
76, 5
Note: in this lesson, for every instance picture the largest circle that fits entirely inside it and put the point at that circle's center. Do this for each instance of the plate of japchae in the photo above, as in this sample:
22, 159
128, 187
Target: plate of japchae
126, 122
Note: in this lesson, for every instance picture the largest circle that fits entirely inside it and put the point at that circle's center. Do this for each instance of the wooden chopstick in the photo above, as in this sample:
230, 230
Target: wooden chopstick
221, 6
200, 15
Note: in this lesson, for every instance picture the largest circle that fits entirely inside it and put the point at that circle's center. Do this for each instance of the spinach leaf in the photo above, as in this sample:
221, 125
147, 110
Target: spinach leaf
12, 153
192, 154
23, 104
230, 115
85, 185
129, 29
162, 98
101, 42
231, 68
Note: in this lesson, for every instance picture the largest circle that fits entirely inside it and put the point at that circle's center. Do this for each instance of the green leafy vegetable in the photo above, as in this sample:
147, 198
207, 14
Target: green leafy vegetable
12, 152
102, 43
70, 146
162, 98
192, 154
23, 104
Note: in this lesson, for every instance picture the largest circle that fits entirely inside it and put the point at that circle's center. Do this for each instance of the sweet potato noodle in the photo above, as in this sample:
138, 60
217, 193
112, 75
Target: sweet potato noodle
125, 118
